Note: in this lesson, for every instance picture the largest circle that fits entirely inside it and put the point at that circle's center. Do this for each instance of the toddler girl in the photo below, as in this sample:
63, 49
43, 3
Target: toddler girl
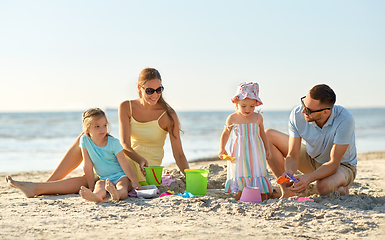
105, 154
249, 144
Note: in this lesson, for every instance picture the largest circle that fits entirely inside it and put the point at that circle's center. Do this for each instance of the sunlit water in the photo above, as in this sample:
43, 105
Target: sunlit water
38, 141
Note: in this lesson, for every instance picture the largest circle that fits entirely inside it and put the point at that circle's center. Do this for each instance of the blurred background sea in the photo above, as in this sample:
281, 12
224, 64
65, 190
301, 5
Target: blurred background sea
38, 141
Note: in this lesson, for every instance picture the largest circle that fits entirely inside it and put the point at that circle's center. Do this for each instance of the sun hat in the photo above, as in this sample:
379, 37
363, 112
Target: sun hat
247, 90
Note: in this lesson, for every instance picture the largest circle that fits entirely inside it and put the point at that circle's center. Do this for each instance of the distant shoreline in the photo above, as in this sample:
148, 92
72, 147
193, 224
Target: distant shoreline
178, 111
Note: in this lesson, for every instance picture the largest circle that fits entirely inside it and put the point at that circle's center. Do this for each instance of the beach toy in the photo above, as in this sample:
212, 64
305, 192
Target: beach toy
186, 194
305, 199
292, 178
169, 192
287, 178
165, 194
150, 192
282, 179
251, 194
227, 157
196, 181
167, 180
154, 175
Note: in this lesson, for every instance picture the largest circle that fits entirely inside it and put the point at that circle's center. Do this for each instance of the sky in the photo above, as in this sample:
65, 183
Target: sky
73, 55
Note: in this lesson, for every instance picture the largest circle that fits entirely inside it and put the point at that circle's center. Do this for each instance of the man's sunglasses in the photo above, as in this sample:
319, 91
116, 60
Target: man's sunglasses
308, 111
150, 91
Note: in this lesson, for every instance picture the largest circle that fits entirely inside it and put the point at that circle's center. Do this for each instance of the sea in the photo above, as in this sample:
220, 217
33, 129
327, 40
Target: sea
34, 141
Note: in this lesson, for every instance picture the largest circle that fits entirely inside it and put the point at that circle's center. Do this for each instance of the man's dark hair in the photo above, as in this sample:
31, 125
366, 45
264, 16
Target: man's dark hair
324, 94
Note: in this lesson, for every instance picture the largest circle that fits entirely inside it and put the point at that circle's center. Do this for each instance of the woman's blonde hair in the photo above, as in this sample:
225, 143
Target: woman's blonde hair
148, 74
90, 115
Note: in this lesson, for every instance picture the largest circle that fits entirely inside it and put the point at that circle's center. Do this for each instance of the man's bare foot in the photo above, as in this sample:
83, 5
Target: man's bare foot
110, 187
26, 187
287, 194
344, 191
88, 195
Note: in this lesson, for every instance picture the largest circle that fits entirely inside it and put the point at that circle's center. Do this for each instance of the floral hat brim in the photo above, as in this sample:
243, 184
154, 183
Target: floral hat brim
247, 90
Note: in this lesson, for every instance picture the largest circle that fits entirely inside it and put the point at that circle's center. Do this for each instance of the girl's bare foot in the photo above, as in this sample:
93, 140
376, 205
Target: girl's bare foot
264, 196
110, 187
89, 195
26, 187
238, 196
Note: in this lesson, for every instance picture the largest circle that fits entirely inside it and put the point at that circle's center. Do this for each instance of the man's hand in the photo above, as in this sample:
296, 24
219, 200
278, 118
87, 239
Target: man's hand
284, 181
301, 186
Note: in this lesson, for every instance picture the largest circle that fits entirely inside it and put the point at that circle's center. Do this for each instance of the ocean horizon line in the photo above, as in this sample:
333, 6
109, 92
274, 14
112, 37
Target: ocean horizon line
180, 111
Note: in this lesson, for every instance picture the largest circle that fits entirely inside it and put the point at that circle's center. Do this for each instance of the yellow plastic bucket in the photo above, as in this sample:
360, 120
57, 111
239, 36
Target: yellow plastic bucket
154, 175
196, 181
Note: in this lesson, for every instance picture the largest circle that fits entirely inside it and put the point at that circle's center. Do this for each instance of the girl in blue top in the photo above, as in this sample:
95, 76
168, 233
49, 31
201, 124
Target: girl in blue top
104, 153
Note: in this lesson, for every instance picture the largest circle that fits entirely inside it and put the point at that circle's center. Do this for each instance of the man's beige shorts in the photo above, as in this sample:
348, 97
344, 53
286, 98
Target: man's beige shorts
308, 165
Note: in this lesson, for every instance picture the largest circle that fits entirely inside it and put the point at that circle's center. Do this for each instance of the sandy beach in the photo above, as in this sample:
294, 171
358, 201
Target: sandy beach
361, 215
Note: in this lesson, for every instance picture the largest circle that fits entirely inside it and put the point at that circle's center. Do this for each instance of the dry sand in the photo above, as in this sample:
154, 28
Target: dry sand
216, 215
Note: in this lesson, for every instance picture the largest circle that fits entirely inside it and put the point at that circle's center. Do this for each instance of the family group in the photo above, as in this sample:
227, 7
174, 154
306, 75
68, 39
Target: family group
320, 145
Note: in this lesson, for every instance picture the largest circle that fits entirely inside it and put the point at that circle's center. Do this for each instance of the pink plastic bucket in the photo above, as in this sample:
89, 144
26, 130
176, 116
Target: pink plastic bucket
251, 194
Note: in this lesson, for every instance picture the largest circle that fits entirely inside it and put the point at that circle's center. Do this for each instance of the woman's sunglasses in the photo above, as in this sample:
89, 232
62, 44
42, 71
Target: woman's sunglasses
308, 111
150, 91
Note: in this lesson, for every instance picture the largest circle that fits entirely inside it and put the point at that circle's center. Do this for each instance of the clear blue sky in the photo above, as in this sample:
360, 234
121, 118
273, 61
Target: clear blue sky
72, 55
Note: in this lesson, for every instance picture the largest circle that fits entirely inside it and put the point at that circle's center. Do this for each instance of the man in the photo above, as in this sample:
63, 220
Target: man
329, 156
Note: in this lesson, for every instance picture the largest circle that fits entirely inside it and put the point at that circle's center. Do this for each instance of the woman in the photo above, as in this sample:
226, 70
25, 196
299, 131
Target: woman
144, 124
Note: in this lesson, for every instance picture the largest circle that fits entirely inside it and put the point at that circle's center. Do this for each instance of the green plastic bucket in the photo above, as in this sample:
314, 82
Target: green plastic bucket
196, 181
154, 175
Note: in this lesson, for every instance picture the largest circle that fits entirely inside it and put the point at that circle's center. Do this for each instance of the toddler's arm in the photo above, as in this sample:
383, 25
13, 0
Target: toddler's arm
225, 137
88, 169
222, 145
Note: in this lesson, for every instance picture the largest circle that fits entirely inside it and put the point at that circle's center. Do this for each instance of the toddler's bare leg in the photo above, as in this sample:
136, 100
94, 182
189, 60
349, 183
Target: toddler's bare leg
264, 196
238, 196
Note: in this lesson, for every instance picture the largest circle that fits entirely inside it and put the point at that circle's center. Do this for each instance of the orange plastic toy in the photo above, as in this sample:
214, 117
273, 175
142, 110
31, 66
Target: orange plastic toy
281, 180
227, 157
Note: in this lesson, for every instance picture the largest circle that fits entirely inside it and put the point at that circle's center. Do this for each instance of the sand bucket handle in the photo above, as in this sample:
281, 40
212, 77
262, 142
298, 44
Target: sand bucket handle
156, 179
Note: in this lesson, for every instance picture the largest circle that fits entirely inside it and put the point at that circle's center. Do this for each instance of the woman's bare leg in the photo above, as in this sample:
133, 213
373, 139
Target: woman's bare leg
66, 186
70, 161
